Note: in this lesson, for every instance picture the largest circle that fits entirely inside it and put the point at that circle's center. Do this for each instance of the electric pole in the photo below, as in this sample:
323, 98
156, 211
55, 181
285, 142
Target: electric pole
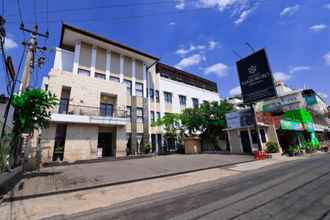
32, 47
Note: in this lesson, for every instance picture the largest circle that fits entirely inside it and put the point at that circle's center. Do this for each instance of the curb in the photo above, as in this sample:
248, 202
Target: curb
18, 198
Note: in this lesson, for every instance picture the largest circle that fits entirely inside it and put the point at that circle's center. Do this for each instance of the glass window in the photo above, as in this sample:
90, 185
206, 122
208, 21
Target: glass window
128, 86
129, 111
152, 95
195, 102
139, 114
99, 75
183, 100
263, 135
106, 109
158, 115
157, 95
139, 89
113, 78
83, 72
152, 116
168, 97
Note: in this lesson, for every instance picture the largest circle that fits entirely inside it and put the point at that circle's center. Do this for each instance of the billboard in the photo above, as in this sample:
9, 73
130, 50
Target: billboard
255, 77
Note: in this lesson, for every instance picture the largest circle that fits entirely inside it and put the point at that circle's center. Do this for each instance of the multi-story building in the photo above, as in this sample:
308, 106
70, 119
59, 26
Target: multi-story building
109, 96
294, 116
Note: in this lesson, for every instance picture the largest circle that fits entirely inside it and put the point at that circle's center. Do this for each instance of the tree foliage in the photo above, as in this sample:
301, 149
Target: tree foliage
33, 110
207, 118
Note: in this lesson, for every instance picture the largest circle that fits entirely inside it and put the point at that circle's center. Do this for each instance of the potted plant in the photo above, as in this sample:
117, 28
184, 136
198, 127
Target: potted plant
147, 148
272, 147
292, 150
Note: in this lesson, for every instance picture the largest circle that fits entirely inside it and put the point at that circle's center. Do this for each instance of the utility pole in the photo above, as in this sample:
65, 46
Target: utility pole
32, 47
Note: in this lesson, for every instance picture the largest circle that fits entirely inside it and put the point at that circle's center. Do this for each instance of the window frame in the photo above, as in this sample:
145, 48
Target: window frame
139, 91
168, 97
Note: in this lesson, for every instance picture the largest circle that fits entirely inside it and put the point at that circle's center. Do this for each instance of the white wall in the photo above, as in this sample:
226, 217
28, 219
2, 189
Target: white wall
63, 60
178, 88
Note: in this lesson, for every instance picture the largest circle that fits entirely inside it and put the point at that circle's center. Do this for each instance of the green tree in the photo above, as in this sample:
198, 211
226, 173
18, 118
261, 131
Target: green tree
171, 123
33, 110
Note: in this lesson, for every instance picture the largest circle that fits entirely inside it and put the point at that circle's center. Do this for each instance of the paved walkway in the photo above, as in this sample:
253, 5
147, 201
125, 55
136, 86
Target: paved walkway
59, 179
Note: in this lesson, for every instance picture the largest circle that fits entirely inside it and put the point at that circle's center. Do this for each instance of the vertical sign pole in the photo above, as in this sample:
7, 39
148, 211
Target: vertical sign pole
256, 126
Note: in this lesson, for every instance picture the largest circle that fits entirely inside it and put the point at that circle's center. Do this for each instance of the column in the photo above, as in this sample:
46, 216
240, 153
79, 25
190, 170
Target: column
121, 69
108, 65
133, 77
145, 81
93, 61
250, 139
76, 57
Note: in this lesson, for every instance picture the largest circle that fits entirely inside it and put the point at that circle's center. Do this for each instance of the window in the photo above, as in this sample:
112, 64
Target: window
129, 111
106, 109
99, 75
183, 100
139, 114
157, 95
152, 116
195, 102
263, 135
128, 86
152, 94
113, 78
168, 97
157, 115
83, 72
139, 89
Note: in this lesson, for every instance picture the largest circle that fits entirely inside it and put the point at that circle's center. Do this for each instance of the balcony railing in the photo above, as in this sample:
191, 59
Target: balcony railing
65, 108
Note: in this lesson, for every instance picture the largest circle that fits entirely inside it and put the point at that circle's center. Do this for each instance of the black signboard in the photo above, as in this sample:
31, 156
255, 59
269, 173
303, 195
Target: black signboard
255, 77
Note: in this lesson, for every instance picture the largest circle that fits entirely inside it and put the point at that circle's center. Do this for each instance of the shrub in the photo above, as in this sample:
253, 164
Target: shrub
5, 157
272, 147
293, 149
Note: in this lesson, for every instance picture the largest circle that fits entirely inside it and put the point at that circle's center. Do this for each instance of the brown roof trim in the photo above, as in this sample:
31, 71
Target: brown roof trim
186, 77
98, 37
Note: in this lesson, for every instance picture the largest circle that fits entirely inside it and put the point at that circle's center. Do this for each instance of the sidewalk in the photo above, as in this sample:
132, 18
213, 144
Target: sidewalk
65, 179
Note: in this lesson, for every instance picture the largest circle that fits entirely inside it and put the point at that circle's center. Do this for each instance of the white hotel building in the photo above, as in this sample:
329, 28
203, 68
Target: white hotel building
109, 95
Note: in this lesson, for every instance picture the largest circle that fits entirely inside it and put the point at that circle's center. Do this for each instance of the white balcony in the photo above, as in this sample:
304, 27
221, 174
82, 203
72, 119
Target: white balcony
63, 60
89, 115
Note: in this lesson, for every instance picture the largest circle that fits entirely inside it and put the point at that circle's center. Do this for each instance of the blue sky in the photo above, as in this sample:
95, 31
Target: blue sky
195, 35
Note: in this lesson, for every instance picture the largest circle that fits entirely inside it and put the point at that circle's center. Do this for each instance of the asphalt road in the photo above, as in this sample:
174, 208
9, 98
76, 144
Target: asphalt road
292, 190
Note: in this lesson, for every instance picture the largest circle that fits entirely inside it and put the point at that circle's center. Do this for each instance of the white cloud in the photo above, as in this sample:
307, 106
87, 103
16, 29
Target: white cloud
235, 91
318, 27
10, 43
221, 5
289, 11
323, 95
241, 8
298, 69
218, 69
327, 6
189, 61
244, 15
280, 76
212, 44
172, 23
180, 4
326, 58
199, 47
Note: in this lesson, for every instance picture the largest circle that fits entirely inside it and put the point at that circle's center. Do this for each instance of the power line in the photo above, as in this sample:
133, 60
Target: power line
125, 18
105, 7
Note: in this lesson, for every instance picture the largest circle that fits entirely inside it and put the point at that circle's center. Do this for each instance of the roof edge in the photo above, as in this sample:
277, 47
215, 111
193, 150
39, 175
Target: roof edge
101, 38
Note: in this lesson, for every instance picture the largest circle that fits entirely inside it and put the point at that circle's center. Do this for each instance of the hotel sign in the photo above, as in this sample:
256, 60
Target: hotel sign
255, 77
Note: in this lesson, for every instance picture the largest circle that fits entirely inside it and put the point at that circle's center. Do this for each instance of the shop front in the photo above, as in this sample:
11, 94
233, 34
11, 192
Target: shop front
295, 128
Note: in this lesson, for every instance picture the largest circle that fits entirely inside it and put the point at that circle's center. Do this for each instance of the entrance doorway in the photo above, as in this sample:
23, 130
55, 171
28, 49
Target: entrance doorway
105, 143
60, 135
245, 140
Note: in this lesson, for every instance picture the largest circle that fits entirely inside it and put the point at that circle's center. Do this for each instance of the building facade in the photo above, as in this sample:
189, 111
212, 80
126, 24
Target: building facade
109, 96
290, 119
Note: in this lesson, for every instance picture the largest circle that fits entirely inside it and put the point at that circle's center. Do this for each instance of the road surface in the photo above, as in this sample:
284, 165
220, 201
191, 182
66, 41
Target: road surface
293, 190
